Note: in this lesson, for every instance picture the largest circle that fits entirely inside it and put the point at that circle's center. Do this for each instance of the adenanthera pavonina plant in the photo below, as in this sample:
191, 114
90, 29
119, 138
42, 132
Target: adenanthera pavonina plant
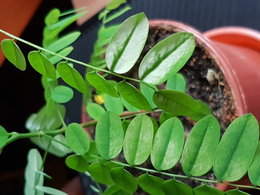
133, 134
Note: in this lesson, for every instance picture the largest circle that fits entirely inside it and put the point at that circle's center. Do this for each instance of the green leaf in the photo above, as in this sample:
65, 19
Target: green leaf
166, 58
13, 53
206, 190
41, 64
32, 177
180, 104
114, 190
177, 82
109, 135
101, 84
64, 41
92, 154
133, 96
107, 31
150, 184
165, 115
148, 93
129, 107
64, 52
235, 192
100, 173
236, 149
72, 77
168, 144
123, 179
77, 163
113, 104
116, 14
254, 170
62, 94
95, 111
138, 140
77, 138
200, 147
50, 191
115, 4
52, 17
123, 52
3, 136
176, 187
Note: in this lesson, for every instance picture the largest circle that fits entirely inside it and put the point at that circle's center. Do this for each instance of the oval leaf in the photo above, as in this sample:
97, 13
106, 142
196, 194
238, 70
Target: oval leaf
138, 140
150, 184
176, 82
133, 96
200, 147
148, 93
77, 138
123, 51
95, 110
254, 170
206, 190
13, 53
180, 104
72, 77
77, 163
101, 84
114, 190
3, 136
113, 104
124, 180
109, 135
62, 94
100, 173
41, 64
168, 144
166, 57
176, 187
234, 154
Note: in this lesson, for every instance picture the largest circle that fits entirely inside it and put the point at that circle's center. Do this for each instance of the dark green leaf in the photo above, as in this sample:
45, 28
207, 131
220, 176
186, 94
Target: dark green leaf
123, 179
77, 163
72, 77
138, 140
3, 136
168, 144
176, 187
166, 58
109, 135
180, 104
177, 82
148, 93
13, 53
115, 4
254, 170
101, 84
77, 138
100, 173
64, 52
200, 147
123, 52
50, 191
150, 184
95, 110
133, 96
206, 190
41, 64
113, 104
52, 17
235, 192
62, 94
236, 149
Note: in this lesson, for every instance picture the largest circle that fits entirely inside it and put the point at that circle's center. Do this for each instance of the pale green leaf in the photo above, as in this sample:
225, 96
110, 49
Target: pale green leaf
95, 111
113, 4
113, 104
77, 163
50, 191
62, 94
52, 17
177, 82
64, 52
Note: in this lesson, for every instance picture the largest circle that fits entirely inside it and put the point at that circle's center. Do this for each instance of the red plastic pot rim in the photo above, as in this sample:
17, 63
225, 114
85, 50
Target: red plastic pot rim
236, 35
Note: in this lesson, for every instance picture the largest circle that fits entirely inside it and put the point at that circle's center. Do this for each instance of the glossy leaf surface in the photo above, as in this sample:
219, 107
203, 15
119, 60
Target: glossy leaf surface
123, 179
133, 96
77, 163
62, 94
176, 82
234, 154
123, 52
109, 135
176, 187
13, 53
200, 147
138, 140
101, 84
77, 138
180, 104
95, 110
150, 184
254, 170
71, 76
166, 58
206, 190
168, 144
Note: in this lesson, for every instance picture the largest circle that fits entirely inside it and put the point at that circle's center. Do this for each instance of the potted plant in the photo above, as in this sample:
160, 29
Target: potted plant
134, 132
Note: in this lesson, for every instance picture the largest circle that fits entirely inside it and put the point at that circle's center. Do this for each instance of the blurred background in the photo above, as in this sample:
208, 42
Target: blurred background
21, 92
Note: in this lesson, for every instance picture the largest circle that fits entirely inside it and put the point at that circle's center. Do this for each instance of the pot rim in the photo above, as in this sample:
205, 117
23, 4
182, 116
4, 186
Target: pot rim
216, 55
